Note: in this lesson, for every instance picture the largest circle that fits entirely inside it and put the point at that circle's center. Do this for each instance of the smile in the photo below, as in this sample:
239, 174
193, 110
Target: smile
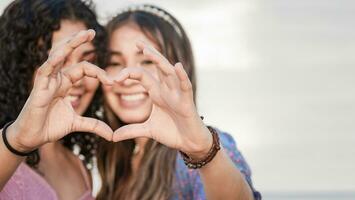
133, 97
132, 100
74, 100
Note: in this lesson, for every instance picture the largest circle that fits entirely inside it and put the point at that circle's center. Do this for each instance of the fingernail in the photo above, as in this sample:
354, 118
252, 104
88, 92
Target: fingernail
92, 31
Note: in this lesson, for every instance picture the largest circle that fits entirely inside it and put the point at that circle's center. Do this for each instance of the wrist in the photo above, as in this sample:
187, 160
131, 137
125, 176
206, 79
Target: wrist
203, 140
13, 136
202, 146
200, 159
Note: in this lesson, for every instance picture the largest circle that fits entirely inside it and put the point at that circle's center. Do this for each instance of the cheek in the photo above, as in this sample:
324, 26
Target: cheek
90, 85
153, 70
109, 96
106, 89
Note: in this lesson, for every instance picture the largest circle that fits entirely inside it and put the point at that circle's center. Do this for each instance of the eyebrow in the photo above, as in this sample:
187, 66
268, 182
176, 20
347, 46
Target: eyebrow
115, 53
118, 53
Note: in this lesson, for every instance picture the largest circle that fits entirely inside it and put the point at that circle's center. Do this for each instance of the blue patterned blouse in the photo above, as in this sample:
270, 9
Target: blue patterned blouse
188, 184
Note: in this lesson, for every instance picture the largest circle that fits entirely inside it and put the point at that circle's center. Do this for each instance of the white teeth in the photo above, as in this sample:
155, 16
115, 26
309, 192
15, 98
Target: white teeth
133, 97
73, 98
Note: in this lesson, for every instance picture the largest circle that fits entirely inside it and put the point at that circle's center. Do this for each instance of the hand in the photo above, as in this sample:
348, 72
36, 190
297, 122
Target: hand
47, 116
174, 120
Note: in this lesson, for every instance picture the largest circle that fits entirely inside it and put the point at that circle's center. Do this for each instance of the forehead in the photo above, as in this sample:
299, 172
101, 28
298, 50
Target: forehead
124, 38
67, 28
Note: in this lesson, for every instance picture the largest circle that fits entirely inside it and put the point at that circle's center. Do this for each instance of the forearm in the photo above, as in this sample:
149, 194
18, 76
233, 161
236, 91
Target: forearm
10, 163
222, 179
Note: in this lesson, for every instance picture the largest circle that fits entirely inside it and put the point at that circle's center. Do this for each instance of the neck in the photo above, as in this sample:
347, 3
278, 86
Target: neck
51, 150
140, 145
141, 142
138, 153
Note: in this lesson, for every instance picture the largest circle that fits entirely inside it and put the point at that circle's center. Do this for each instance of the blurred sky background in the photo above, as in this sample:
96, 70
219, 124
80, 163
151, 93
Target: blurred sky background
278, 75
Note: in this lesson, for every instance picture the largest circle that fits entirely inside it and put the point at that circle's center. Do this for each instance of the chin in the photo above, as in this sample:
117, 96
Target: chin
131, 117
134, 119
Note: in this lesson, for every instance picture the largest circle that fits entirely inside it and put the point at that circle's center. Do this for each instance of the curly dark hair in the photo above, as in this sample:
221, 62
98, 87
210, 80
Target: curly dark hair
26, 29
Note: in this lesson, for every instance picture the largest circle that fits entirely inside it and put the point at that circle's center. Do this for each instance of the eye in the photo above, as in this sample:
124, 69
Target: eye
114, 64
146, 62
90, 59
89, 56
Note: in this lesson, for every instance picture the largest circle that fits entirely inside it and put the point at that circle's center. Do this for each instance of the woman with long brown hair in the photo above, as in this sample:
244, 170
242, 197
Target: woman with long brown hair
159, 130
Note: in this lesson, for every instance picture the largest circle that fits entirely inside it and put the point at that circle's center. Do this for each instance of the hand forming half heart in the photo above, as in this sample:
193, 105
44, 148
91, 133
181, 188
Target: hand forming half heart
47, 116
174, 120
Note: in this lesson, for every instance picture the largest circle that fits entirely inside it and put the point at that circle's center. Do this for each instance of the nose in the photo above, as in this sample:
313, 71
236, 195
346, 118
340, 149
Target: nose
130, 82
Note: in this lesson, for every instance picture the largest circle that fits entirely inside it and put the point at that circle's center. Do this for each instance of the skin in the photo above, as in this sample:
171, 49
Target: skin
121, 97
167, 113
54, 156
49, 115
83, 90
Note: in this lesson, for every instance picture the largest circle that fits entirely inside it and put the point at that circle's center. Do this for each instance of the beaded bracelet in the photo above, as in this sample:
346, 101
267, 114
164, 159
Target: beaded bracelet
9, 147
196, 164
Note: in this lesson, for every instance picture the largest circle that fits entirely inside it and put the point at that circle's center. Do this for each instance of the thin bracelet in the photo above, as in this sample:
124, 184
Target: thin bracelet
9, 147
196, 164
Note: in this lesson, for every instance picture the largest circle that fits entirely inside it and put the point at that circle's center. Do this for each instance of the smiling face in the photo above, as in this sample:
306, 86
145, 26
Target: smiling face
129, 100
83, 91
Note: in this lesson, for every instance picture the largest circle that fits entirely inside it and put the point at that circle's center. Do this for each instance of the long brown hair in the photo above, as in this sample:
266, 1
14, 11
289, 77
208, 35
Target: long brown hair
157, 168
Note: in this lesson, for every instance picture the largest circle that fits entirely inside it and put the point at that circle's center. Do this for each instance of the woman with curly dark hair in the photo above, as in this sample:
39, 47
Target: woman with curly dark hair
29, 29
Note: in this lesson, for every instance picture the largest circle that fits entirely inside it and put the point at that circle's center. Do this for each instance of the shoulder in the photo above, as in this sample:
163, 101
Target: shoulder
26, 184
226, 139
230, 146
16, 184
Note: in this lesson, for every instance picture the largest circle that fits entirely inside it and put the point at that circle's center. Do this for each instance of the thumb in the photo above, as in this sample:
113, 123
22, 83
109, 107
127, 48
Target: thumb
131, 131
91, 125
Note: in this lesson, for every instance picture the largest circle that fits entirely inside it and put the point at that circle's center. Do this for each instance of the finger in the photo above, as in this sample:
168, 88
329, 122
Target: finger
40, 82
44, 82
78, 54
59, 54
86, 35
165, 69
139, 74
171, 80
62, 42
151, 53
54, 85
185, 82
91, 125
78, 71
145, 79
130, 132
